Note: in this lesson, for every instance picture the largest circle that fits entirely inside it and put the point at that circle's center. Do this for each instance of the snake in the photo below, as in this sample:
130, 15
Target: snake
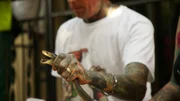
76, 84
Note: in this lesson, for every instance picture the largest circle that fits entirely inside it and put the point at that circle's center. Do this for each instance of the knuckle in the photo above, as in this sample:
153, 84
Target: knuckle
69, 79
59, 71
55, 63
63, 64
63, 75
61, 56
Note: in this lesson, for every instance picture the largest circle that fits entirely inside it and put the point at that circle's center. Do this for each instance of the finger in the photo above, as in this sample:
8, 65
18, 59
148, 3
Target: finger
73, 74
64, 64
66, 61
71, 77
65, 74
73, 65
69, 62
73, 58
57, 61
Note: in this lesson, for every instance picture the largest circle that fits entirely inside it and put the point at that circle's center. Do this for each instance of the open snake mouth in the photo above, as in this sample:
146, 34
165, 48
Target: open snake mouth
44, 60
49, 57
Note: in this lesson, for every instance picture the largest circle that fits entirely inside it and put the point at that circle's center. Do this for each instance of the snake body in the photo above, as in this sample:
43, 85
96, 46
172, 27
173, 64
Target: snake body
76, 84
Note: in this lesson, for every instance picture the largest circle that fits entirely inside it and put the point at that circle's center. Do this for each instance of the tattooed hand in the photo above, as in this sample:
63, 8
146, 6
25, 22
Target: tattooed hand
70, 69
98, 95
98, 69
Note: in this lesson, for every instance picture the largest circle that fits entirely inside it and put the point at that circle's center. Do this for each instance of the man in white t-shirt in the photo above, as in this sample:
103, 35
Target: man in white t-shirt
115, 38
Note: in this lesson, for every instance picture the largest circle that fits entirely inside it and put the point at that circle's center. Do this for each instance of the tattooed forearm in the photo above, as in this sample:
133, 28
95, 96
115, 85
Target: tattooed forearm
130, 86
170, 92
102, 81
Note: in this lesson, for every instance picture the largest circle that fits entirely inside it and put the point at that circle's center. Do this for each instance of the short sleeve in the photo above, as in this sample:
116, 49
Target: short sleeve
140, 46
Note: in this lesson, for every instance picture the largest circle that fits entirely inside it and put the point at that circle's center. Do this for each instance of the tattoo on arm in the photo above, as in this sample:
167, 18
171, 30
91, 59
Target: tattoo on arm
170, 92
130, 86
104, 82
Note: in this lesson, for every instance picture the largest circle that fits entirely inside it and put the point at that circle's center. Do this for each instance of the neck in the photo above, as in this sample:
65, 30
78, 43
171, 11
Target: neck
103, 12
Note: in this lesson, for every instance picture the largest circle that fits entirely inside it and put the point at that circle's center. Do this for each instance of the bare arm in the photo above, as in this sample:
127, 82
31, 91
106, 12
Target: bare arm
171, 91
130, 86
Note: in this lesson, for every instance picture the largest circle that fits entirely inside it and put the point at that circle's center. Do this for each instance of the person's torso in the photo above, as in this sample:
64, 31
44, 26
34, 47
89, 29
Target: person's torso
101, 40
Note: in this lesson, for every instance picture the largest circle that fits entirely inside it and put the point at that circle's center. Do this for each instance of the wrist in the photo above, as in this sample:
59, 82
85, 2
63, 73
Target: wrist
105, 82
111, 81
90, 76
115, 84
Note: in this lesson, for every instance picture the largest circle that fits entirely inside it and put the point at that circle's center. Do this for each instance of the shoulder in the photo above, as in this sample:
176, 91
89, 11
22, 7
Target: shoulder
134, 22
134, 14
135, 17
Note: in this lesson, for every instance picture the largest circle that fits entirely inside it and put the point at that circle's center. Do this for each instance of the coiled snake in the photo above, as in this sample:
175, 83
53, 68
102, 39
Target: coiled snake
76, 84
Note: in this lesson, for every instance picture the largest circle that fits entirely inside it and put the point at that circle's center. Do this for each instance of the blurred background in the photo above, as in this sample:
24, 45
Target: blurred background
28, 26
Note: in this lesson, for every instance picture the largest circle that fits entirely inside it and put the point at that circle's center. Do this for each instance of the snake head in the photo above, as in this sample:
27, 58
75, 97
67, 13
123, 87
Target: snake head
50, 59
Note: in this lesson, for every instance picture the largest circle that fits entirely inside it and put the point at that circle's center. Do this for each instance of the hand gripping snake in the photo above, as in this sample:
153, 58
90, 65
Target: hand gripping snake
76, 84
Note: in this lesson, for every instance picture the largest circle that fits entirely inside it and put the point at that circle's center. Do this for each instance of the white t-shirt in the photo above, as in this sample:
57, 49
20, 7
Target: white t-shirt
123, 37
